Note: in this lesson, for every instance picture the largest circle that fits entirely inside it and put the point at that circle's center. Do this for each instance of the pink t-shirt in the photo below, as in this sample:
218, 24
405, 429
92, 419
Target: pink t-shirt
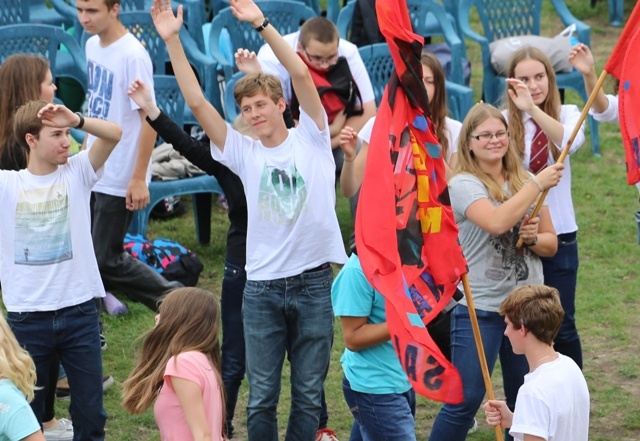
193, 366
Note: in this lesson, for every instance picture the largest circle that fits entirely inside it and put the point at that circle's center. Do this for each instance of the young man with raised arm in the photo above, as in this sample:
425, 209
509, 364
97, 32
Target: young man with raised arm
293, 232
50, 274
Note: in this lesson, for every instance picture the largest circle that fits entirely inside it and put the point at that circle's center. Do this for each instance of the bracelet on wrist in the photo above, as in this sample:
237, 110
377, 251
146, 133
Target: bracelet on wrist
537, 184
81, 123
264, 24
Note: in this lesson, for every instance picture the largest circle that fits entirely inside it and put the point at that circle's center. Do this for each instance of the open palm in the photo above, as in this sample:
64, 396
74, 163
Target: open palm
167, 24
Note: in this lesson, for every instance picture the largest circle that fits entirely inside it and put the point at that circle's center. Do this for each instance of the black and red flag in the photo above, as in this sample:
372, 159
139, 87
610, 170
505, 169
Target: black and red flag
406, 235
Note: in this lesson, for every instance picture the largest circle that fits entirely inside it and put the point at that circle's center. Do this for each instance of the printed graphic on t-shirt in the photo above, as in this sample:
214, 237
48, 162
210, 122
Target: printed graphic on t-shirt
43, 227
282, 195
507, 258
100, 81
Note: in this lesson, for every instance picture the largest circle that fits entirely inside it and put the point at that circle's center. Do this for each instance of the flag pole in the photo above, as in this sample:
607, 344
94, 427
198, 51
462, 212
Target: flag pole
565, 150
481, 354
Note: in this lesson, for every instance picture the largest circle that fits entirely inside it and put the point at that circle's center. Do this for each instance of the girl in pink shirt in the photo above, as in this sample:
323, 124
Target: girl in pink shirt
179, 367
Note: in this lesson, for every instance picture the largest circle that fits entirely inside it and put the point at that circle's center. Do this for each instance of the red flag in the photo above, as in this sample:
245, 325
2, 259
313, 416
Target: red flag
614, 64
629, 107
406, 235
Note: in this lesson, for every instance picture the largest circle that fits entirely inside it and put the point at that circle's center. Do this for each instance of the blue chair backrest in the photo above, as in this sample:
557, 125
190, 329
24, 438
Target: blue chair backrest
140, 24
506, 18
44, 40
14, 12
168, 97
377, 59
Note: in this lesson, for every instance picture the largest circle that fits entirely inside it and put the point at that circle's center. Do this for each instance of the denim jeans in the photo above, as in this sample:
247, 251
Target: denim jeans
109, 224
71, 334
381, 417
454, 421
233, 359
561, 272
292, 315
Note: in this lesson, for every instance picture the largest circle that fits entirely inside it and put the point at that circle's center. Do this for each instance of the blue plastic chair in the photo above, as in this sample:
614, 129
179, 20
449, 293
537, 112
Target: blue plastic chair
506, 18
428, 19
46, 40
286, 16
231, 109
171, 101
377, 59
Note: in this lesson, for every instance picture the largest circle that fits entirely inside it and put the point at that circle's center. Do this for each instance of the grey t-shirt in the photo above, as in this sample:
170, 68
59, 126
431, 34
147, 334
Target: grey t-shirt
496, 266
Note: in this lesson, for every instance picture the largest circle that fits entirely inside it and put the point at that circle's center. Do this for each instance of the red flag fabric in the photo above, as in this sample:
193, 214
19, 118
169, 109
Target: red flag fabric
614, 64
629, 107
406, 235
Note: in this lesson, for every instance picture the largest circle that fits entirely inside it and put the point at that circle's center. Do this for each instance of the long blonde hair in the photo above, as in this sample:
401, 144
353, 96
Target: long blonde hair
513, 171
15, 363
189, 321
551, 105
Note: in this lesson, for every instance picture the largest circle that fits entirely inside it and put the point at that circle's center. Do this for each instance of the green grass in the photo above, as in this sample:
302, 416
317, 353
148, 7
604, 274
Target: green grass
607, 296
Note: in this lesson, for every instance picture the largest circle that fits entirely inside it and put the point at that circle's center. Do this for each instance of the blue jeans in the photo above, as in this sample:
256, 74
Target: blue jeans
561, 272
381, 417
293, 316
233, 359
454, 421
72, 334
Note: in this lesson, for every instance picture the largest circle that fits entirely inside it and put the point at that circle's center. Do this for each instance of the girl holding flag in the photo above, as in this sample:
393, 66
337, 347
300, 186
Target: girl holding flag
539, 127
491, 196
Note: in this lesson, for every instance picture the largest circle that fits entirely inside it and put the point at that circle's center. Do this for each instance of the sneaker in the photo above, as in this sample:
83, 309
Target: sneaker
63, 431
474, 427
63, 393
326, 435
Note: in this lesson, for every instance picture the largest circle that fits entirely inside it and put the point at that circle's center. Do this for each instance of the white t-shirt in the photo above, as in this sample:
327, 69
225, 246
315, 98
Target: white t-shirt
271, 65
47, 253
452, 132
292, 223
553, 403
610, 114
110, 71
559, 197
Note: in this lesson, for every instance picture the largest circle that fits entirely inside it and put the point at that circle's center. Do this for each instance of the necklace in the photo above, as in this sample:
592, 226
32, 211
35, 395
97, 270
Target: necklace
539, 362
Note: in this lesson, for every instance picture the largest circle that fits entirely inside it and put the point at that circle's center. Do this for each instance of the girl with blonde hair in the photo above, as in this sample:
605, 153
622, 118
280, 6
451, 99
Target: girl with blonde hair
492, 196
540, 127
17, 386
179, 368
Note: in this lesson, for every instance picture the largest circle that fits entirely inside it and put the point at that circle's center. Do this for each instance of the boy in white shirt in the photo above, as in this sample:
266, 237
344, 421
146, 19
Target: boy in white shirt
293, 232
553, 402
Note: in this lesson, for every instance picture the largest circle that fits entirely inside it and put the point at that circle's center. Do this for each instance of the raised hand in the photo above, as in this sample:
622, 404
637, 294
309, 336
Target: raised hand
57, 115
167, 24
247, 11
348, 143
140, 94
247, 61
520, 94
581, 58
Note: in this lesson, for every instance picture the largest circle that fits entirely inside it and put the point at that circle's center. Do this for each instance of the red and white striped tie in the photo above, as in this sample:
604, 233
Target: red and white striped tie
539, 150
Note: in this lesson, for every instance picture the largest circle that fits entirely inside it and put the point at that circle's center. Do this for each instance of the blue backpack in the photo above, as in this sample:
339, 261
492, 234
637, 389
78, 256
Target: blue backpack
167, 257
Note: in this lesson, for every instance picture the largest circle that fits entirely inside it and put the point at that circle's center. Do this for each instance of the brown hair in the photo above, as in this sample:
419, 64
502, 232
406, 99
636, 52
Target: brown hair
20, 77
189, 321
318, 28
254, 83
438, 104
536, 307
109, 3
550, 106
512, 169
26, 121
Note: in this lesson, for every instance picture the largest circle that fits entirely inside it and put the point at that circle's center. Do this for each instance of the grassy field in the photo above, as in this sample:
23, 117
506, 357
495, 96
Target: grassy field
607, 300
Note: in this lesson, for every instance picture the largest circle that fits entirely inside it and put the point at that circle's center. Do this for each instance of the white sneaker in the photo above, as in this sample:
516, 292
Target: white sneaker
474, 427
63, 431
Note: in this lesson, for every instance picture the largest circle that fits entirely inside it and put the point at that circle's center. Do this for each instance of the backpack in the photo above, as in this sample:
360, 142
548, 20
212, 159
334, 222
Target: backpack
167, 257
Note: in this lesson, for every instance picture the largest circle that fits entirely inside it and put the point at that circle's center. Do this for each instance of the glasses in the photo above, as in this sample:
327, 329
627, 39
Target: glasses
314, 59
486, 137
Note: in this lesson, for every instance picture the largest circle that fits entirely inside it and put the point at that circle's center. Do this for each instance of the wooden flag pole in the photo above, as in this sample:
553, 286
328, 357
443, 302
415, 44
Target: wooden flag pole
565, 150
481, 355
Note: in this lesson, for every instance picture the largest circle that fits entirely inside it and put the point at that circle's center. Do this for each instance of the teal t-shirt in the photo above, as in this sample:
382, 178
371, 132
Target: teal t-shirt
17, 420
375, 370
